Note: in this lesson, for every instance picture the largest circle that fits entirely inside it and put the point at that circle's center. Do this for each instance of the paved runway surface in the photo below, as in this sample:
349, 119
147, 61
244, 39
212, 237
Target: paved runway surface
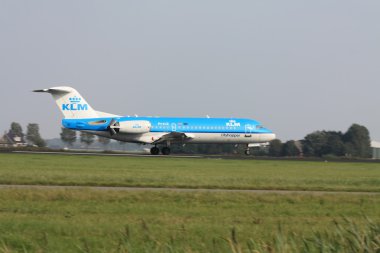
107, 154
158, 189
227, 157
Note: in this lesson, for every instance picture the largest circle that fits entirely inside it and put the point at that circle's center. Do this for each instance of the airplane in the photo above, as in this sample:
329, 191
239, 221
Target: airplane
162, 131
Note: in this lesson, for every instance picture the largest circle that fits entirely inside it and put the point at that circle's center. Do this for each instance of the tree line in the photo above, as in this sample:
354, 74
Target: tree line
32, 135
355, 142
69, 137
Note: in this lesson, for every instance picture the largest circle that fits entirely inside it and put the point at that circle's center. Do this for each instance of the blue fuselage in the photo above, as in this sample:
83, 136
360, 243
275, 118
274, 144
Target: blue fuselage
183, 125
152, 130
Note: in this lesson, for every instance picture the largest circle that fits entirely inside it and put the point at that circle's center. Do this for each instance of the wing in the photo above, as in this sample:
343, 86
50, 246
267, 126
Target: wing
174, 136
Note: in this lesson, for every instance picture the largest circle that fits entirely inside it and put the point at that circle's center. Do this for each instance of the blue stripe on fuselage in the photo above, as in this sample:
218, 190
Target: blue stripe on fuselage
185, 125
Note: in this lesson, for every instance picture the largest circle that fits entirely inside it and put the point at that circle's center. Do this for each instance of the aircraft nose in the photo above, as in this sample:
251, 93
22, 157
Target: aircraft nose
268, 137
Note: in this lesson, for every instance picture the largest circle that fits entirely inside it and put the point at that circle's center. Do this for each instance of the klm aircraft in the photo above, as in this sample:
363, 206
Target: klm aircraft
79, 115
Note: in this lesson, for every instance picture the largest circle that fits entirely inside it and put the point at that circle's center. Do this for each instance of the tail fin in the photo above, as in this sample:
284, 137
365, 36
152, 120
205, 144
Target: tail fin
71, 103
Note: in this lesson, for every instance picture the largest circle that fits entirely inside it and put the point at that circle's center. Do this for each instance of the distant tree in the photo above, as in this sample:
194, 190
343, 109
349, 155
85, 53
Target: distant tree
290, 149
259, 151
16, 129
321, 143
189, 148
335, 145
275, 148
357, 141
104, 141
349, 149
228, 148
87, 138
33, 135
314, 143
211, 149
68, 136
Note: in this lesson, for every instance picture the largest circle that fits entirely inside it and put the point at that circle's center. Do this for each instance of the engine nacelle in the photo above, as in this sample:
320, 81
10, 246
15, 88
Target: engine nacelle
134, 126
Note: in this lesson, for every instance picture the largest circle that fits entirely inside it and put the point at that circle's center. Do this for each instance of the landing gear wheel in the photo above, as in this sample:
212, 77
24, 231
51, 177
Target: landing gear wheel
165, 151
247, 152
154, 151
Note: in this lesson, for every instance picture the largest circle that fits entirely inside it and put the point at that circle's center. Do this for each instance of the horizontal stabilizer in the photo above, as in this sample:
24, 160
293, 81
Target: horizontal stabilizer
43, 90
56, 90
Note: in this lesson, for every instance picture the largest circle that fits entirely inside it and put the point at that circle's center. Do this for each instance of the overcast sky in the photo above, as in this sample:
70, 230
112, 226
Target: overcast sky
296, 66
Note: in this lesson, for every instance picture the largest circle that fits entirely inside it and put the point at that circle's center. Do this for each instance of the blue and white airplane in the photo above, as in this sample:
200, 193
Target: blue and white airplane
79, 115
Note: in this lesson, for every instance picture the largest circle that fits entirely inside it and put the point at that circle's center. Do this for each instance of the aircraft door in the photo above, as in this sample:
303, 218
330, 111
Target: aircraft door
174, 127
248, 130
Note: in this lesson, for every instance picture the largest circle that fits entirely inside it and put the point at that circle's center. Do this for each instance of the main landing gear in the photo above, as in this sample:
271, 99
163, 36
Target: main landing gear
155, 150
165, 151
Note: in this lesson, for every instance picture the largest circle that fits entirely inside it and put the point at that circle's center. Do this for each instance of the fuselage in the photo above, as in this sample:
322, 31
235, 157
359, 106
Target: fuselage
201, 130
79, 115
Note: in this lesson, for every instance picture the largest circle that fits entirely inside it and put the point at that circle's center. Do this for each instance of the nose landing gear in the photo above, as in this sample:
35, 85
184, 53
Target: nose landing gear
247, 150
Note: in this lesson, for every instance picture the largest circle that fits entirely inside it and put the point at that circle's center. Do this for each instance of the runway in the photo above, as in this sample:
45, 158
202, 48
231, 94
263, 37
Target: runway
180, 190
190, 156
105, 154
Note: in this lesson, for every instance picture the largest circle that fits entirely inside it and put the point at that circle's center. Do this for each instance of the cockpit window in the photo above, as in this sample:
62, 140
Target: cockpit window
98, 122
259, 127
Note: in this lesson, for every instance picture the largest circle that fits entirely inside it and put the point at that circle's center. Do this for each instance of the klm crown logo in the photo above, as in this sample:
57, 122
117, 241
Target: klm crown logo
75, 100
75, 105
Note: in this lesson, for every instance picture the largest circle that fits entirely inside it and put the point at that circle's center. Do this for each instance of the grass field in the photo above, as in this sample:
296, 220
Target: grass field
82, 220
193, 173
98, 221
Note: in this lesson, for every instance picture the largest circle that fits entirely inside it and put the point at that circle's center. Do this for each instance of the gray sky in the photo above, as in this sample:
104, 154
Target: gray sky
296, 66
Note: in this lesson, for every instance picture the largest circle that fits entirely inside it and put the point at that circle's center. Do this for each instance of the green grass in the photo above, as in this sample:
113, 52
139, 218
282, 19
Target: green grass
83, 220
193, 173
114, 221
